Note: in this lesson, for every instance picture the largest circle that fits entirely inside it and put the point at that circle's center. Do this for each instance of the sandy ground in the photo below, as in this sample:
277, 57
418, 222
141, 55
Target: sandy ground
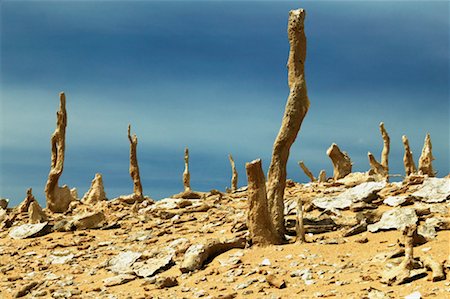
328, 265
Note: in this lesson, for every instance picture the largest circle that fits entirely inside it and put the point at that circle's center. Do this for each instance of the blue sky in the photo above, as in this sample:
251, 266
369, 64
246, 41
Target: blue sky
211, 75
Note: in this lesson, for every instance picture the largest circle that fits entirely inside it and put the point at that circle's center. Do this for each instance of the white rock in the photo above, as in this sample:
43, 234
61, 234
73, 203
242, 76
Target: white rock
415, 295
26, 230
433, 190
397, 218
118, 280
121, 264
151, 266
395, 201
265, 262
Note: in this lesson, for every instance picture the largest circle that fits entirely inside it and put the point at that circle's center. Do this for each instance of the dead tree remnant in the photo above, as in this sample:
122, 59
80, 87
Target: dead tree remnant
402, 272
408, 161
234, 174
58, 198
386, 148
375, 166
342, 165
134, 167
300, 228
96, 192
307, 171
35, 213
322, 176
296, 108
25, 204
186, 174
260, 226
426, 158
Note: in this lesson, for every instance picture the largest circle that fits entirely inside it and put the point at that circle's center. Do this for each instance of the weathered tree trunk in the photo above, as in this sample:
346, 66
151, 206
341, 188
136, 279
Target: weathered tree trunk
342, 165
300, 227
134, 167
234, 174
408, 161
426, 158
307, 171
322, 176
296, 108
58, 199
376, 167
186, 174
260, 226
386, 148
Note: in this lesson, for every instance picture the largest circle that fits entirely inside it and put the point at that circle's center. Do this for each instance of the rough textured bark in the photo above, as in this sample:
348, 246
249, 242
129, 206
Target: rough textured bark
386, 148
58, 198
134, 167
307, 171
426, 158
260, 226
96, 192
234, 174
376, 167
322, 176
300, 227
342, 165
186, 174
296, 108
408, 161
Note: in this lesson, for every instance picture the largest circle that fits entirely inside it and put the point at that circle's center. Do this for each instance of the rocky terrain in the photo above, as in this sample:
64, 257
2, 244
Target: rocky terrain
112, 249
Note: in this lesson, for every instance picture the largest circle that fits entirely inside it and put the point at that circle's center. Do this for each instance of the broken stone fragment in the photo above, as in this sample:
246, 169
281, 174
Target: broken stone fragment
307, 171
35, 213
433, 190
123, 262
89, 220
161, 261
25, 204
198, 254
322, 176
436, 268
399, 200
118, 280
96, 192
275, 281
397, 218
166, 282
4, 203
25, 289
357, 229
28, 230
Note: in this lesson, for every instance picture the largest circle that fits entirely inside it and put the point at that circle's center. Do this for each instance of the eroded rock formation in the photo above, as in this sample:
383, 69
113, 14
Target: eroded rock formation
426, 158
35, 213
25, 204
342, 165
386, 148
260, 226
408, 161
96, 192
322, 176
134, 167
296, 108
186, 174
375, 166
58, 198
234, 174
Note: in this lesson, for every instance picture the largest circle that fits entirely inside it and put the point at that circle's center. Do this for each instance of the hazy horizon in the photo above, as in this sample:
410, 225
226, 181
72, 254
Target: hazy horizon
212, 76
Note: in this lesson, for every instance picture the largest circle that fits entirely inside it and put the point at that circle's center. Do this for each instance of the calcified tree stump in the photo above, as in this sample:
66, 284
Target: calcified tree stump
307, 171
134, 167
35, 213
322, 176
300, 228
342, 165
382, 168
234, 174
186, 174
260, 226
375, 166
58, 198
408, 161
296, 108
426, 158
25, 204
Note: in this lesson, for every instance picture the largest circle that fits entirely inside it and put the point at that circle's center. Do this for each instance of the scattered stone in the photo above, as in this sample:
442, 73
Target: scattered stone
276, 281
4, 203
357, 229
415, 295
60, 257
121, 264
118, 280
24, 290
162, 260
265, 262
89, 220
377, 294
28, 230
166, 282
399, 200
397, 218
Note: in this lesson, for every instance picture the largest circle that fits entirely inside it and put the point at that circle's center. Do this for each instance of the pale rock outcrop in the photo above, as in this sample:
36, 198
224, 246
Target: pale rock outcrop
296, 108
260, 226
186, 173
342, 165
307, 171
89, 220
376, 167
426, 158
433, 190
322, 176
234, 174
28, 230
25, 204
96, 192
35, 213
397, 218
386, 148
408, 161
58, 198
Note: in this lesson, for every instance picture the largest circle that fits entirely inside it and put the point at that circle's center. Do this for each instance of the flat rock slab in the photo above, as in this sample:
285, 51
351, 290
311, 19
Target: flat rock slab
433, 190
121, 263
27, 230
395, 201
363, 192
153, 265
397, 218
118, 280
